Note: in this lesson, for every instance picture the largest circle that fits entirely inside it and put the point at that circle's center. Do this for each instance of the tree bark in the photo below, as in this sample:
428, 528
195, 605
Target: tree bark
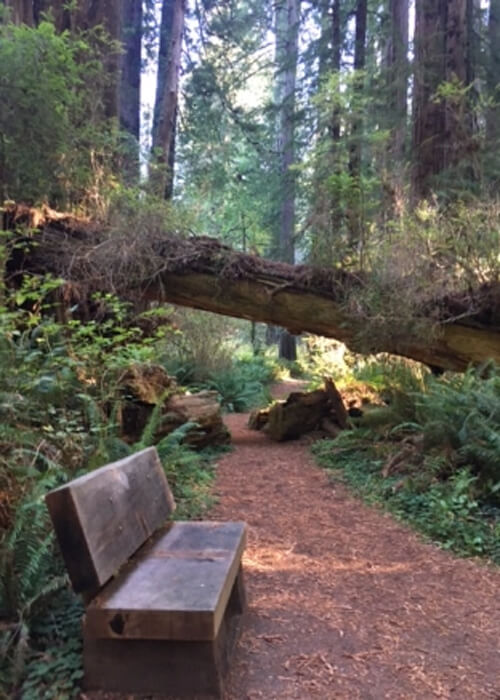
355, 147
493, 74
203, 274
397, 74
443, 125
454, 347
130, 84
21, 11
428, 119
327, 195
165, 112
287, 32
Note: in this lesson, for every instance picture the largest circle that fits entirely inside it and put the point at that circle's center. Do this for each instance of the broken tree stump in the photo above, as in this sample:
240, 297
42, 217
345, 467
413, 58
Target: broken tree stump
302, 413
147, 386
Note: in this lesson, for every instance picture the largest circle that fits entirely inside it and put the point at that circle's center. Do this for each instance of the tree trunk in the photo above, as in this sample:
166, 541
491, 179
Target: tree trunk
428, 119
130, 84
165, 111
302, 413
454, 345
443, 125
397, 74
21, 11
355, 213
203, 274
287, 349
493, 75
287, 29
287, 32
326, 193
456, 121
336, 57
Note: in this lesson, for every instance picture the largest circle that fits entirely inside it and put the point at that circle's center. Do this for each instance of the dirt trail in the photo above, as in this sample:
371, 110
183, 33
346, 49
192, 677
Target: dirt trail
344, 601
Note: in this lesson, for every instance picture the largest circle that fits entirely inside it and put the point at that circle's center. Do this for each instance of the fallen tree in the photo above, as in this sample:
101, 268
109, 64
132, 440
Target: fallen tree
145, 388
303, 412
201, 273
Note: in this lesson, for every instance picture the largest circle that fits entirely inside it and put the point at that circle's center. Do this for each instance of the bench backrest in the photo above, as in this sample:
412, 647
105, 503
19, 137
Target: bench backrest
103, 517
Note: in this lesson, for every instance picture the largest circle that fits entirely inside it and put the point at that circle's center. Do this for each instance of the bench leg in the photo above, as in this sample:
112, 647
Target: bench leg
151, 667
166, 668
237, 604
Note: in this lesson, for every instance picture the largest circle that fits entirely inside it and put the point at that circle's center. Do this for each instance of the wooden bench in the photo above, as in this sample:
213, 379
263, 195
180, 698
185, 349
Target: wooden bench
163, 601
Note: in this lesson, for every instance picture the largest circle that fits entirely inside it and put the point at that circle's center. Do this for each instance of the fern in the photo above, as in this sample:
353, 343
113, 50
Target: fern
151, 427
168, 445
29, 572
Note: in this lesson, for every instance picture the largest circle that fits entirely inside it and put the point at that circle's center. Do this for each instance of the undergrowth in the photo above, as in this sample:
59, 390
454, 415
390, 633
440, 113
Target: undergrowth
59, 417
242, 382
431, 455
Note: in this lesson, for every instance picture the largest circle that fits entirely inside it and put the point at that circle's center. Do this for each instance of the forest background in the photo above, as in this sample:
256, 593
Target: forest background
357, 135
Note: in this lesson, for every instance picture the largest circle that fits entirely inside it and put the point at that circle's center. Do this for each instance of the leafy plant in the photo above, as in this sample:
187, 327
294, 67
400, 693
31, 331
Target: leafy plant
448, 484
29, 571
54, 142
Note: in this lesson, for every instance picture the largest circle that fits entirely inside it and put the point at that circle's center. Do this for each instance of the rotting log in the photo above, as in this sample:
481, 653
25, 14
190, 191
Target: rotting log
147, 386
201, 273
302, 412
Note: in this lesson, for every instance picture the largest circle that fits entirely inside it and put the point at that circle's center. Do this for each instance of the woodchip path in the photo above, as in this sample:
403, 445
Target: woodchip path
344, 601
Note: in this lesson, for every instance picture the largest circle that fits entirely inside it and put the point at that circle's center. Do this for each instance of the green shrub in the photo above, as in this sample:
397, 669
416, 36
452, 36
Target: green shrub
54, 144
449, 487
445, 511
245, 385
59, 417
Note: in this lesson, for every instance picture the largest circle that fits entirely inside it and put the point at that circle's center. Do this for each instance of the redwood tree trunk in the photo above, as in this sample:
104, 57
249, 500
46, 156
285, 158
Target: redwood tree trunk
201, 273
397, 74
428, 115
287, 27
443, 126
493, 74
287, 32
21, 11
130, 84
355, 213
165, 112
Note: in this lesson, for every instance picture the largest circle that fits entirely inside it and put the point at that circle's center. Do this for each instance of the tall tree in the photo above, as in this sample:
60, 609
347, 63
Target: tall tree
326, 193
287, 20
428, 119
81, 16
287, 28
397, 75
165, 111
493, 74
355, 216
442, 105
130, 83
21, 11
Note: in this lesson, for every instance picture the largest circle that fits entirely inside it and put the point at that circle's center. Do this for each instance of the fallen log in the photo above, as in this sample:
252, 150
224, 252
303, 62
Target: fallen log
203, 274
301, 413
146, 386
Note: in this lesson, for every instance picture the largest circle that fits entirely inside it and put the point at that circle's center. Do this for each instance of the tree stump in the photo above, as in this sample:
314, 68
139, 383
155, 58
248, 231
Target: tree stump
146, 386
301, 413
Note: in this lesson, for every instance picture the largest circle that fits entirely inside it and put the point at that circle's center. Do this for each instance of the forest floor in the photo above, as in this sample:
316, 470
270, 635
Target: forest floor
345, 602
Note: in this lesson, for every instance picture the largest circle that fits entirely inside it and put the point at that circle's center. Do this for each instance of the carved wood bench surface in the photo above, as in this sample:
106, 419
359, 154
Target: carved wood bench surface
164, 600
176, 588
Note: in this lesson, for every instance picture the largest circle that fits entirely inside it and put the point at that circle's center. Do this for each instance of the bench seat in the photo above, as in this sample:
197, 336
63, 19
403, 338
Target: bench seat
200, 562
